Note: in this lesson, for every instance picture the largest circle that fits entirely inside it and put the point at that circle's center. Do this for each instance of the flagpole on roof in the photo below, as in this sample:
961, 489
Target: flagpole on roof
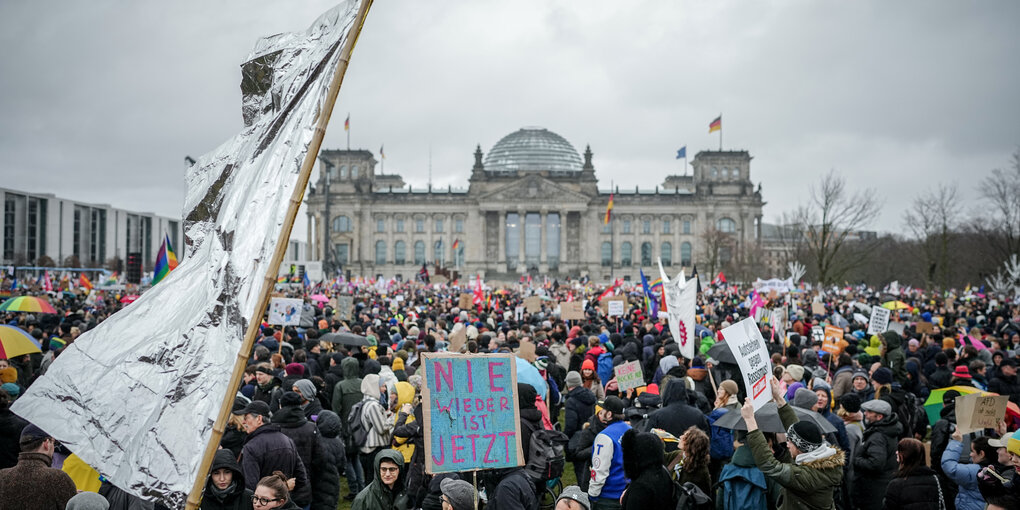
254, 323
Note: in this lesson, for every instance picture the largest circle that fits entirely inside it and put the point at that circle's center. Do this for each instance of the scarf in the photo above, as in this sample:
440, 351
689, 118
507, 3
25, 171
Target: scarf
222, 494
822, 452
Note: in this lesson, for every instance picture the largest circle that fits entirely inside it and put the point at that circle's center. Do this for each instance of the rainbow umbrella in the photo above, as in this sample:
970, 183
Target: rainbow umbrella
27, 304
933, 406
15, 342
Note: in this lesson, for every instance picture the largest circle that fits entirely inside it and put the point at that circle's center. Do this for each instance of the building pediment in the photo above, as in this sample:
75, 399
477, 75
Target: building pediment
534, 188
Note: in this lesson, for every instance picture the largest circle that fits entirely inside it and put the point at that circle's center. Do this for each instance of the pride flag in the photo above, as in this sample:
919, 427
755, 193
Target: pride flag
166, 261
716, 125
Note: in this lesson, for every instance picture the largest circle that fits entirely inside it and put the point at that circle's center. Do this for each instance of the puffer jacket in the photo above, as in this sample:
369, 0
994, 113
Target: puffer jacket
237, 496
305, 435
804, 486
374, 417
920, 490
408, 429
875, 462
579, 407
965, 477
377, 496
650, 484
266, 450
326, 479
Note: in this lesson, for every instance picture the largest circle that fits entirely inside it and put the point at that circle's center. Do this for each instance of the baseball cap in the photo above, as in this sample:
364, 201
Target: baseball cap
612, 404
256, 407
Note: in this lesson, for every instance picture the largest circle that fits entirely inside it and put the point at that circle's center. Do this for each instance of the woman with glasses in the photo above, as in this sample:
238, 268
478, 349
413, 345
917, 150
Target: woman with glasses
273, 492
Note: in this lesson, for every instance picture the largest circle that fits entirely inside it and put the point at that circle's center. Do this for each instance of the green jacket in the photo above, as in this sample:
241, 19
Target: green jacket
379, 497
894, 358
804, 486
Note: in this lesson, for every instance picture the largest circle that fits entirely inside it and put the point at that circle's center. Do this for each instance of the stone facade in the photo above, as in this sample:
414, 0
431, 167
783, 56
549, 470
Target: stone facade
532, 207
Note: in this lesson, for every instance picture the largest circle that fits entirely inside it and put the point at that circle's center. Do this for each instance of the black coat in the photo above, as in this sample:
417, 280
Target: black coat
305, 435
875, 461
918, 491
326, 479
238, 498
412, 431
1006, 386
334, 375
515, 491
579, 449
677, 416
650, 483
579, 407
266, 450
10, 434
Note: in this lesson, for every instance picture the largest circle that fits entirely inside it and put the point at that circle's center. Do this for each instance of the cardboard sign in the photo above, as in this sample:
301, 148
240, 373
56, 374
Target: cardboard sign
615, 308
817, 309
975, 412
605, 302
345, 307
527, 351
817, 334
925, 327
860, 318
466, 301
748, 347
457, 338
898, 327
833, 342
879, 320
519, 313
469, 406
629, 375
284, 312
533, 304
572, 311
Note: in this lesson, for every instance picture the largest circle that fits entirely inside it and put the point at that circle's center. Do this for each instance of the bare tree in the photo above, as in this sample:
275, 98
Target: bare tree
719, 248
1001, 224
932, 218
834, 218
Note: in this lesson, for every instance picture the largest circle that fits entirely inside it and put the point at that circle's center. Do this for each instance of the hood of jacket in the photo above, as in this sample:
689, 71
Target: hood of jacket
370, 386
698, 374
405, 393
225, 459
350, 368
889, 426
289, 417
583, 395
675, 393
836, 460
329, 424
526, 395
892, 340
396, 458
641, 451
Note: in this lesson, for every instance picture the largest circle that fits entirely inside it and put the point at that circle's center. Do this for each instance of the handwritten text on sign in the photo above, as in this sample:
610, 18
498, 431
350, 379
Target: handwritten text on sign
470, 411
748, 347
629, 375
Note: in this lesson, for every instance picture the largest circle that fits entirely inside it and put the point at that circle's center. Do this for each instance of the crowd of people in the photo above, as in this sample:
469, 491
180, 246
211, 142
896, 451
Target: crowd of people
857, 428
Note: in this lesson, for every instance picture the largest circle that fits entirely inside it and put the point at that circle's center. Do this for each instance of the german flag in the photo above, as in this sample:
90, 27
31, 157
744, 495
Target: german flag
456, 244
716, 125
609, 210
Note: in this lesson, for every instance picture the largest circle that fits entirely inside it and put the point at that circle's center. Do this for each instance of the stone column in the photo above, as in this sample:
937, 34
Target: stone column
501, 256
521, 226
563, 239
543, 233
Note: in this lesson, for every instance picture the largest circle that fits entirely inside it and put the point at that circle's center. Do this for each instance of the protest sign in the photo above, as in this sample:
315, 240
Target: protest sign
527, 351
681, 296
629, 375
458, 337
533, 304
519, 313
897, 327
345, 307
817, 309
975, 412
572, 311
925, 327
285, 312
860, 318
879, 320
833, 342
615, 308
466, 301
817, 334
470, 410
773, 285
748, 347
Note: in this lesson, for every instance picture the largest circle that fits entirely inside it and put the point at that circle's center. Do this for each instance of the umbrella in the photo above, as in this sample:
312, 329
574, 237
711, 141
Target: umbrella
27, 304
344, 338
722, 353
896, 305
528, 374
129, 299
319, 297
933, 406
768, 419
15, 342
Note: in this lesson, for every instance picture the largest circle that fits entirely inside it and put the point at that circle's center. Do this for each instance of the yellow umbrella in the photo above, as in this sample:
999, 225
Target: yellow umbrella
15, 342
896, 305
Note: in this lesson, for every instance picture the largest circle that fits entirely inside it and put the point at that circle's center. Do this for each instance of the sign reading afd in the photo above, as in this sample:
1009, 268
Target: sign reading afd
469, 406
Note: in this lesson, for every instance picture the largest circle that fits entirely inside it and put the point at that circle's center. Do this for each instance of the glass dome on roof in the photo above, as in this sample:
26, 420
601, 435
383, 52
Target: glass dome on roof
533, 149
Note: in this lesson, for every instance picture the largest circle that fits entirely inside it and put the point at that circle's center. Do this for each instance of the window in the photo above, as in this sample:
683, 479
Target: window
687, 227
607, 254
400, 225
607, 228
626, 226
646, 227
419, 252
532, 237
439, 226
437, 253
343, 171
735, 172
343, 253
667, 226
380, 253
419, 225
685, 254
513, 239
725, 255
354, 171
715, 172
666, 254
458, 254
380, 225
458, 226
626, 254
552, 240
399, 253
342, 224
726, 225
646, 254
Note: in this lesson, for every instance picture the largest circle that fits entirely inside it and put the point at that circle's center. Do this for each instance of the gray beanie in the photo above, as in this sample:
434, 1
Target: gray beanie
573, 379
804, 398
87, 501
574, 493
306, 389
460, 493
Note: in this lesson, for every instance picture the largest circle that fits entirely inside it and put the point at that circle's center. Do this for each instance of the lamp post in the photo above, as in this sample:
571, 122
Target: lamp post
327, 262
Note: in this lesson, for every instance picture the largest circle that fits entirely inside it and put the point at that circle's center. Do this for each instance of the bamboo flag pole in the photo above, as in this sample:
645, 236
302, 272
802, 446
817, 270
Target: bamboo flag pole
281, 249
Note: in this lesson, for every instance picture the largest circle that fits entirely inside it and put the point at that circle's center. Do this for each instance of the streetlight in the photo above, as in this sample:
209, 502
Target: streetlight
327, 262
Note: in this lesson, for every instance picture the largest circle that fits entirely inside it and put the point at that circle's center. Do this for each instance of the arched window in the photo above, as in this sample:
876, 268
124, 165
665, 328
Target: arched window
399, 253
354, 171
607, 254
685, 254
726, 225
438, 256
343, 171
646, 254
380, 253
419, 252
626, 254
342, 224
667, 254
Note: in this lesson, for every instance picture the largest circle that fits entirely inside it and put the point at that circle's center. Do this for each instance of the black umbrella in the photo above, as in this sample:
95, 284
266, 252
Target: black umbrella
344, 339
722, 353
768, 419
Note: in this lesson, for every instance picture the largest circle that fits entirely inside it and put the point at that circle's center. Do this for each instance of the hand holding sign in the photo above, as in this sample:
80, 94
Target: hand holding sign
752, 355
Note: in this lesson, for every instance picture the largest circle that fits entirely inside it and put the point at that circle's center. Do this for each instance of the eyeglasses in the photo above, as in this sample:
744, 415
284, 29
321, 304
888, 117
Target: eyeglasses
389, 469
263, 501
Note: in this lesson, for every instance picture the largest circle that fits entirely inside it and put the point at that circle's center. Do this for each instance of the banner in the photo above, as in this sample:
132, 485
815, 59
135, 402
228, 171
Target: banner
748, 347
629, 375
774, 285
879, 320
681, 303
470, 410
285, 311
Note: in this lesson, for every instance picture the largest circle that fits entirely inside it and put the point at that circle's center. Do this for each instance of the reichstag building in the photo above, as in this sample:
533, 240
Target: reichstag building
533, 205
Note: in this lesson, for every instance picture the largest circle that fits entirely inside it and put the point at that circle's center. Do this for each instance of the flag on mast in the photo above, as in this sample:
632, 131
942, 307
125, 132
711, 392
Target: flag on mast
716, 125
347, 123
166, 261
609, 210
171, 353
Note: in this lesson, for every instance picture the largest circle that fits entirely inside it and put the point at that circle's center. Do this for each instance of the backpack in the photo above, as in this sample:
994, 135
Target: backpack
356, 434
721, 440
690, 497
910, 413
604, 367
545, 455
739, 493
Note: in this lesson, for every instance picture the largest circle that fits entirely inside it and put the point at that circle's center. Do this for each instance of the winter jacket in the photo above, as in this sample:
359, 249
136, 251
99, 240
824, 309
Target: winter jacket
941, 377
346, 393
10, 434
237, 496
326, 479
742, 486
516, 491
408, 429
579, 448
608, 480
531, 417
650, 484
333, 376
676, 416
33, 485
378, 496
920, 490
270, 393
842, 382
894, 358
875, 462
266, 450
376, 419
702, 383
809, 485
1006, 386
579, 407
305, 436
965, 477
405, 395
311, 409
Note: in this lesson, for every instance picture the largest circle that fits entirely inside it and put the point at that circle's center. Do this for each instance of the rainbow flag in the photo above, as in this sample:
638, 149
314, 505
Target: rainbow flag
166, 261
609, 210
716, 125
112, 279
656, 284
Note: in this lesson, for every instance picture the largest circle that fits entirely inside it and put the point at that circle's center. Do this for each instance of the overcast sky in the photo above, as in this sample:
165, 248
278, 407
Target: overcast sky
100, 101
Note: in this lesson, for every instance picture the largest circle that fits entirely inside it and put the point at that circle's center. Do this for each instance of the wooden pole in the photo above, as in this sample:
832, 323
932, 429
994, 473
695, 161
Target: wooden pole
195, 496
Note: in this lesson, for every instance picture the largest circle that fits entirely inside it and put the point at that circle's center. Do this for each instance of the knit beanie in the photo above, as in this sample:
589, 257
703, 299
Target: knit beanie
805, 435
804, 398
882, 376
573, 379
8, 375
306, 388
87, 501
796, 372
850, 402
295, 369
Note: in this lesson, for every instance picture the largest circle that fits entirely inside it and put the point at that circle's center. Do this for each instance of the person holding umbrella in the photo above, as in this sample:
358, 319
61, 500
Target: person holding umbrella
816, 468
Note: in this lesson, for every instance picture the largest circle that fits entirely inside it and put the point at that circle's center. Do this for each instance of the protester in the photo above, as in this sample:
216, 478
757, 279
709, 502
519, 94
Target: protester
377, 420
386, 490
32, 484
677, 415
572, 498
579, 406
267, 451
915, 486
650, 484
272, 492
326, 485
458, 495
347, 393
225, 489
965, 475
875, 461
608, 479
